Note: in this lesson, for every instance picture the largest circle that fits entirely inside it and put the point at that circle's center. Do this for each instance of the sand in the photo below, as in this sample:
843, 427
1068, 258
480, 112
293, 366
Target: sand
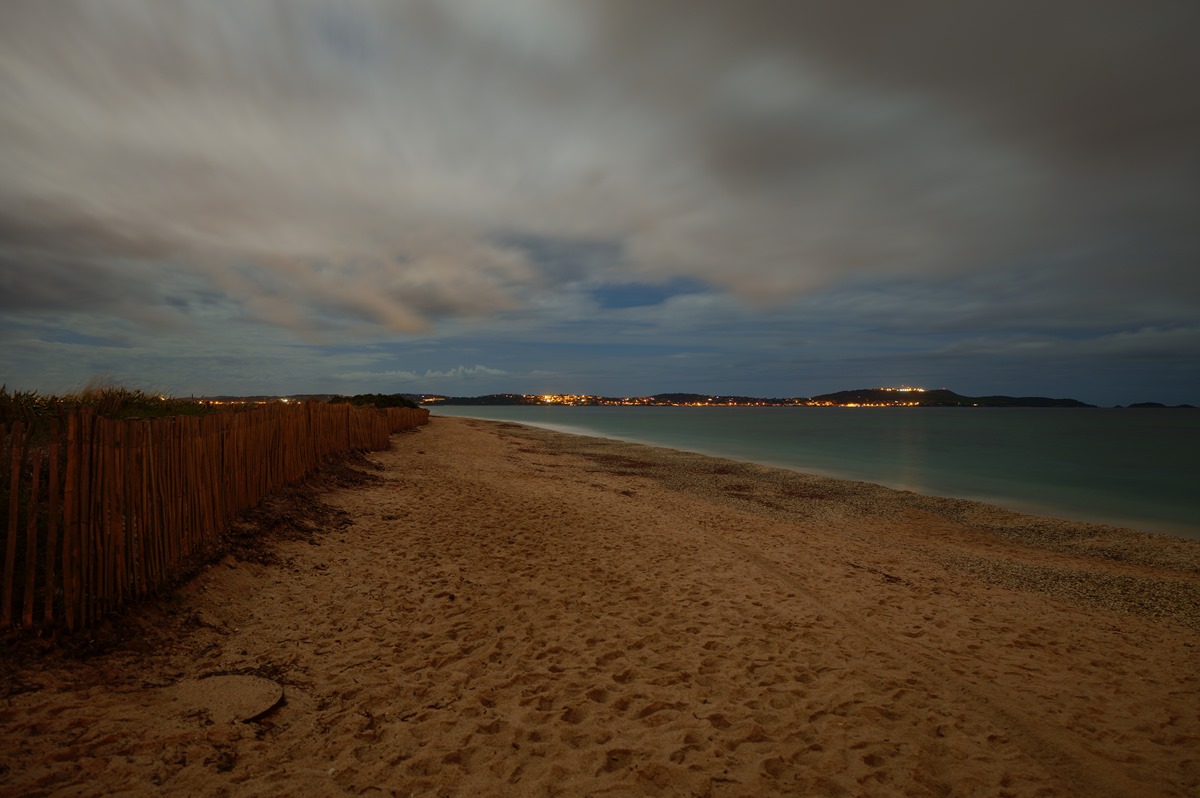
511, 611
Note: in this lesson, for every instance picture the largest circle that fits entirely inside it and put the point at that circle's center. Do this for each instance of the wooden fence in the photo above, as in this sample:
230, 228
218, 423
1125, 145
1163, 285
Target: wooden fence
97, 512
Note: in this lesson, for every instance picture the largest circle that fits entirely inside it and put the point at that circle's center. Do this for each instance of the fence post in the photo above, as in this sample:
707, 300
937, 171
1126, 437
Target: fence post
52, 510
70, 552
31, 516
14, 503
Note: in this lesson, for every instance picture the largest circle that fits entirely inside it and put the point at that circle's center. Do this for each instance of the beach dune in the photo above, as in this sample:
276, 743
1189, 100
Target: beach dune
513, 611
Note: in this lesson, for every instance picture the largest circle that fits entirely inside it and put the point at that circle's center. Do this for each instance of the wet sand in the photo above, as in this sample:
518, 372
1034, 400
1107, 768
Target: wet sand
512, 611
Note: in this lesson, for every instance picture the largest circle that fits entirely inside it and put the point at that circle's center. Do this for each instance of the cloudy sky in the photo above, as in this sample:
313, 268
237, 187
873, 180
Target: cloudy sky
617, 197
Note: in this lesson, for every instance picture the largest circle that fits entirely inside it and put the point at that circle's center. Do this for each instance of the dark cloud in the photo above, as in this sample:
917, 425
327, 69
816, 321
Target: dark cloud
636, 295
31, 284
951, 134
563, 260
45, 228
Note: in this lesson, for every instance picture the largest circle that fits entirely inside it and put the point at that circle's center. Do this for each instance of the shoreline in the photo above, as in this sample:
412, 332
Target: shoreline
509, 610
1054, 536
1030, 506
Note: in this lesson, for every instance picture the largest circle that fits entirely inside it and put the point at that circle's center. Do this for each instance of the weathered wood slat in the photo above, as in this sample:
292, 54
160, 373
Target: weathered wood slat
15, 457
71, 542
31, 537
53, 502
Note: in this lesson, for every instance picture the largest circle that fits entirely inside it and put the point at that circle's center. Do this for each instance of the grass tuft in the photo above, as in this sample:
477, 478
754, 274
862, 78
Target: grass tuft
109, 401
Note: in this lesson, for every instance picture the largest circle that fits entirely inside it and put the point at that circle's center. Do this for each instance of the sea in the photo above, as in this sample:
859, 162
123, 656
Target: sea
1125, 467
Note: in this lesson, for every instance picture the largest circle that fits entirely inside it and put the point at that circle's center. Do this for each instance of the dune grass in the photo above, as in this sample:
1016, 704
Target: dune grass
35, 409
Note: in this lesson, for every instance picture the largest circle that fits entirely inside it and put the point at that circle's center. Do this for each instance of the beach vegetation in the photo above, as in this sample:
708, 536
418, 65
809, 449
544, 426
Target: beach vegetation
380, 400
107, 401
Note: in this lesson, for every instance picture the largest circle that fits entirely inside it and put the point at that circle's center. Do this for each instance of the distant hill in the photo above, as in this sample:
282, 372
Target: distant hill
489, 399
905, 397
1159, 406
705, 398
940, 397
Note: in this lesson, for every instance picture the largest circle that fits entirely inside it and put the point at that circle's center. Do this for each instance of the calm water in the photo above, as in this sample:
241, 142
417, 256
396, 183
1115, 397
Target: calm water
1138, 468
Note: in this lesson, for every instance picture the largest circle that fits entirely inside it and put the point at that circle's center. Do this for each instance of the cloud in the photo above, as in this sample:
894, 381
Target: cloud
771, 149
455, 373
467, 371
314, 171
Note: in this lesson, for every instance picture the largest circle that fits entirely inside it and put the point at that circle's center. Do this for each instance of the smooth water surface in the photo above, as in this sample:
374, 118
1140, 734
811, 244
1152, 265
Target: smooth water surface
1135, 468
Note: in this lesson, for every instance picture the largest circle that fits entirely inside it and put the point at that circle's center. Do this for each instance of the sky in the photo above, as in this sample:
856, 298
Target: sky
614, 197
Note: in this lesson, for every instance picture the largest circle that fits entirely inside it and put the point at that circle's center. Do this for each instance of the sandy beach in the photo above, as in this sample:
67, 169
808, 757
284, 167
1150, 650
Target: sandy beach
503, 610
